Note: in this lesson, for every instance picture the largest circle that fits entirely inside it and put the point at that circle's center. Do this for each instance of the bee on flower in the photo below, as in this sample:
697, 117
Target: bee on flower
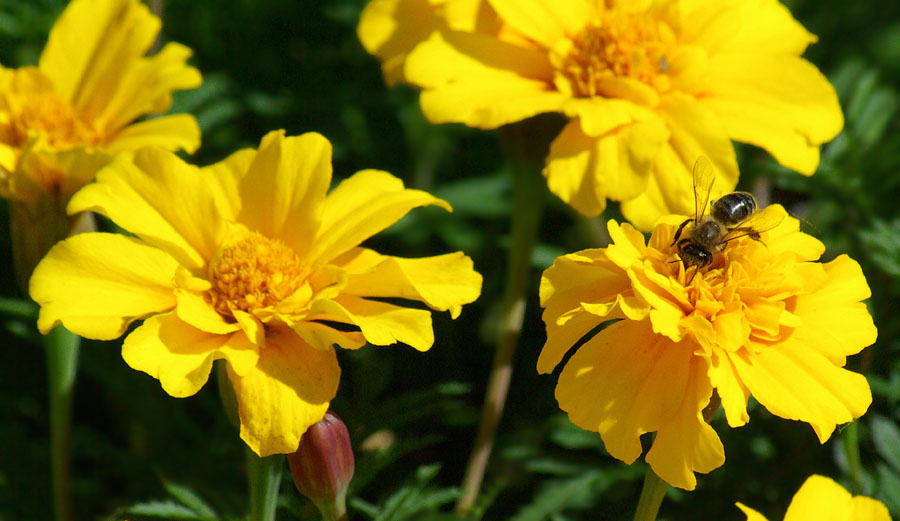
248, 260
62, 121
646, 86
763, 317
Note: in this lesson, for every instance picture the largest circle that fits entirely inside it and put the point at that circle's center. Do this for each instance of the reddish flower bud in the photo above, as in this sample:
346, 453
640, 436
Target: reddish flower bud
323, 466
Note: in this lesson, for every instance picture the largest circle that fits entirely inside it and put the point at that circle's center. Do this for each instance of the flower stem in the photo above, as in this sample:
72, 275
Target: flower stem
264, 476
652, 494
850, 442
62, 348
528, 202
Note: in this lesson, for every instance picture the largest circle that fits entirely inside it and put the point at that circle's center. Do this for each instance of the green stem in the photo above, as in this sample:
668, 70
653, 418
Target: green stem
264, 476
528, 202
850, 442
652, 494
62, 361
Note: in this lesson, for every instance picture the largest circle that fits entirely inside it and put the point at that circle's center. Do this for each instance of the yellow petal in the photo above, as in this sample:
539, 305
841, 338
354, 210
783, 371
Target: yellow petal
195, 310
176, 132
42, 170
778, 102
687, 444
165, 201
823, 498
731, 389
795, 381
146, 88
361, 206
480, 81
545, 21
444, 282
835, 321
287, 391
756, 26
283, 191
92, 45
752, 515
382, 324
624, 382
390, 29
178, 355
96, 284
321, 336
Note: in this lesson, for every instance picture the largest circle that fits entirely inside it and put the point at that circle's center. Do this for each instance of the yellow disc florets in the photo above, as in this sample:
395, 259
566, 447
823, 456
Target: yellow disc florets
620, 45
253, 273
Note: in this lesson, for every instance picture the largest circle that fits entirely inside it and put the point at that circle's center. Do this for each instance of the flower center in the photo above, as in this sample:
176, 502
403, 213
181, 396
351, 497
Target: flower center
253, 273
621, 45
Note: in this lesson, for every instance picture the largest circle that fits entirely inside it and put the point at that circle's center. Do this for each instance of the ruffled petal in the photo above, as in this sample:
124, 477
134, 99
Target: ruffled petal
624, 382
781, 103
834, 320
176, 132
321, 336
361, 206
167, 202
283, 191
478, 80
444, 282
96, 284
545, 21
732, 391
287, 391
181, 356
382, 324
687, 444
795, 381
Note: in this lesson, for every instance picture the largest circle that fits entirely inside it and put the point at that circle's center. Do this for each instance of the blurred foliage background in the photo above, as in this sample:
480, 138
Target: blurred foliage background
141, 454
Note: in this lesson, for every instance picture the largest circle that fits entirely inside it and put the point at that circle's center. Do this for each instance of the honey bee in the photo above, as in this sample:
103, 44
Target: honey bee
730, 217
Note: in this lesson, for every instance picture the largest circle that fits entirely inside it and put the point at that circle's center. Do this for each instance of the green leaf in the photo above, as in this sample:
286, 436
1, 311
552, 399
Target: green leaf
886, 436
164, 510
558, 495
190, 499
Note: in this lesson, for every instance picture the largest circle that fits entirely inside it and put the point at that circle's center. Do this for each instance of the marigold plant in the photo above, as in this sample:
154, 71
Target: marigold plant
823, 498
647, 86
248, 261
764, 319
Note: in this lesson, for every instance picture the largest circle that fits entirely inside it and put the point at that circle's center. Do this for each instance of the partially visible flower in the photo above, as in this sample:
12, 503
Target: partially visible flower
763, 319
823, 498
248, 261
323, 466
648, 86
62, 121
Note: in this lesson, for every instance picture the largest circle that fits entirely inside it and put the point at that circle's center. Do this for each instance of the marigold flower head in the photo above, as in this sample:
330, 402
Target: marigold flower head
823, 498
62, 121
764, 318
247, 260
648, 86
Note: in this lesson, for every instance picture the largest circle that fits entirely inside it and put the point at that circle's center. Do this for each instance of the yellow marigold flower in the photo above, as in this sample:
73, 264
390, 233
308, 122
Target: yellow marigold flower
823, 498
648, 86
248, 261
763, 318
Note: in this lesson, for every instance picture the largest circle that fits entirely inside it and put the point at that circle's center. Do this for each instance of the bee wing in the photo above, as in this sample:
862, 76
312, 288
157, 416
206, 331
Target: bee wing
704, 177
760, 222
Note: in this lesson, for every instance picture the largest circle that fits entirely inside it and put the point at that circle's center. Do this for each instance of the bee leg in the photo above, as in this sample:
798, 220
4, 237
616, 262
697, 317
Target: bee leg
747, 232
678, 232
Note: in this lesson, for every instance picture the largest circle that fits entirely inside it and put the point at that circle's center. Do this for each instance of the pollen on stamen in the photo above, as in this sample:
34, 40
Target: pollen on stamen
253, 273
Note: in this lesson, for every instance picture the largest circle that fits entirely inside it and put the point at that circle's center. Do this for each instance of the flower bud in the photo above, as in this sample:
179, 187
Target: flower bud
323, 466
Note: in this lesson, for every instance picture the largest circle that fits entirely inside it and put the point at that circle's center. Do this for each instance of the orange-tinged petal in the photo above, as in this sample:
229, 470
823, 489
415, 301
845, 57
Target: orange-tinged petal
823, 498
92, 45
443, 282
624, 382
146, 88
835, 321
687, 444
96, 284
545, 21
283, 192
163, 200
181, 356
361, 206
816, 391
381, 323
781, 103
175, 132
287, 391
